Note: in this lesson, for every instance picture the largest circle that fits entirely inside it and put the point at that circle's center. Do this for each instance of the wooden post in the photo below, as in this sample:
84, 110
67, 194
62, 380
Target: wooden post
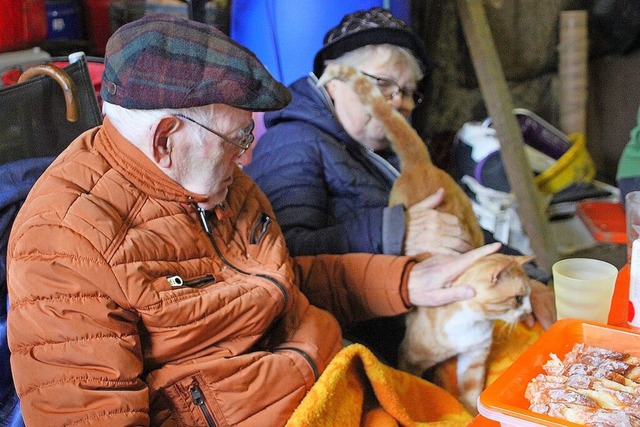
498, 101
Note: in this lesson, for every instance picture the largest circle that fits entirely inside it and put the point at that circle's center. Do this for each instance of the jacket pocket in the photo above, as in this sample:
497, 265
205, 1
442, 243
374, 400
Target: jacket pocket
193, 404
259, 228
176, 281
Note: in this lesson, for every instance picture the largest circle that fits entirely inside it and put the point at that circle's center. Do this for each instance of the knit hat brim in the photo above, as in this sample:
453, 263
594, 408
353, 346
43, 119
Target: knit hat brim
381, 35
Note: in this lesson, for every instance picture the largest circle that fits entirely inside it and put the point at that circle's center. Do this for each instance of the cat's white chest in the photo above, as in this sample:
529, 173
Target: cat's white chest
466, 331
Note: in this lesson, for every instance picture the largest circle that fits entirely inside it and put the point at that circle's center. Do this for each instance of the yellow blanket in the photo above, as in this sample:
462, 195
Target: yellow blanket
357, 389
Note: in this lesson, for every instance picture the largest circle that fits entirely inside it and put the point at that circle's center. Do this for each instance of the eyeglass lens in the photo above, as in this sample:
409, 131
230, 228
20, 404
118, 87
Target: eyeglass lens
390, 89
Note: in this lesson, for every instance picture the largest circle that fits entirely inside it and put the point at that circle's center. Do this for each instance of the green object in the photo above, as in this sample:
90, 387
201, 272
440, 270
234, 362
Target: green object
629, 163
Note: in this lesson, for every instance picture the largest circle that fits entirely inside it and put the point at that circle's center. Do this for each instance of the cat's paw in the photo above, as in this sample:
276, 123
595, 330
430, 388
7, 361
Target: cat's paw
470, 403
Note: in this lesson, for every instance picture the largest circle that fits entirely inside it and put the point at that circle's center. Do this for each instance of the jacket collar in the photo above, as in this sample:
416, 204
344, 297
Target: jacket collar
127, 159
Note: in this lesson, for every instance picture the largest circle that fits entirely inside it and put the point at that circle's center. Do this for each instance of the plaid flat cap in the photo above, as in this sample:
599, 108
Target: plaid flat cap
365, 27
166, 61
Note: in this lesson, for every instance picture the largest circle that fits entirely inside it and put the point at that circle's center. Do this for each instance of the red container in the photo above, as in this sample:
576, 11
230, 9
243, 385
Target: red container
23, 24
97, 24
604, 219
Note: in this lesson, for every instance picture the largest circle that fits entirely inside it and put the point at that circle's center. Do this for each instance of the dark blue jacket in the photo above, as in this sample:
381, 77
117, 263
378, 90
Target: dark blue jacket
16, 179
329, 193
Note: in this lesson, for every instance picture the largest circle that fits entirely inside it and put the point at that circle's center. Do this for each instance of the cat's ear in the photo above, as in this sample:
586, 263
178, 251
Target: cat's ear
499, 271
523, 259
504, 267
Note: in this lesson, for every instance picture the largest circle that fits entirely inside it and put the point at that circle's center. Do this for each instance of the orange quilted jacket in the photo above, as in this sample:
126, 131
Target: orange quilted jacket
131, 307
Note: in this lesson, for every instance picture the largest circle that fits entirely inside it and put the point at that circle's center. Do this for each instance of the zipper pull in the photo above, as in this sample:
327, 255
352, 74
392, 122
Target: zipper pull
259, 228
198, 399
203, 219
175, 281
196, 395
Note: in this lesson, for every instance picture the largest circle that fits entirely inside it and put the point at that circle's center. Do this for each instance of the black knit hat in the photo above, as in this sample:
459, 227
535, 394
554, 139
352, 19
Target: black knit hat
364, 27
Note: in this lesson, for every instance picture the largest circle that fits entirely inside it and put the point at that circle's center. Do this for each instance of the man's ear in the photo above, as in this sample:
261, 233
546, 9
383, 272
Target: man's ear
162, 146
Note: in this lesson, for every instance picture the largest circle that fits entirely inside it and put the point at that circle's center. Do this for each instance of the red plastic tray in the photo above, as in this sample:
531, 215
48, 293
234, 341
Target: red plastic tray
604, 219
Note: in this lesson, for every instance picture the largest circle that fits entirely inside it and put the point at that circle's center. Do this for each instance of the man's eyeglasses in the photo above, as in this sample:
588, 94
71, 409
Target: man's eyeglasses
391, 90
244, 140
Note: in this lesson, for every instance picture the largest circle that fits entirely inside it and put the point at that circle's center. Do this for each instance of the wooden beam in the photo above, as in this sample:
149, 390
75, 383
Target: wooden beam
497, 98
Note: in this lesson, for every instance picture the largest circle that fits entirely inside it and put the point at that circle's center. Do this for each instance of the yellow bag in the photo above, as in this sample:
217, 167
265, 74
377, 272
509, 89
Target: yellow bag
575, 165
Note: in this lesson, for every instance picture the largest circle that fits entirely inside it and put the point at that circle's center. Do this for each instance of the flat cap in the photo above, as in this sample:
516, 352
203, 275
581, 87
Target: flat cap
166, 61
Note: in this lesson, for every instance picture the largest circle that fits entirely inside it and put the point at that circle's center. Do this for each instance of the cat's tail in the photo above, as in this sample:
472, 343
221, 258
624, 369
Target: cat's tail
404, 139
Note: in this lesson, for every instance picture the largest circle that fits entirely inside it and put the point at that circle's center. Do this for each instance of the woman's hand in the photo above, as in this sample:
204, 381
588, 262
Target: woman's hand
434, 232
430, 280
543, 303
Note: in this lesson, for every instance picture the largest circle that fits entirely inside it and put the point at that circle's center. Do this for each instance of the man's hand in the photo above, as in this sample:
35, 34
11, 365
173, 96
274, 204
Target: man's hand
430, 280
434, 232
543, 303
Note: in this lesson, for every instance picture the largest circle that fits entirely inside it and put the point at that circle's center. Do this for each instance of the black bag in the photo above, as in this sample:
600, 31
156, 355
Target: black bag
615, 24
33, 114
557, 160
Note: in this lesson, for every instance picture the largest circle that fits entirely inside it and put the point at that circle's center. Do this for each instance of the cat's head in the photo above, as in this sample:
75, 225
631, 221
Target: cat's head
502, 287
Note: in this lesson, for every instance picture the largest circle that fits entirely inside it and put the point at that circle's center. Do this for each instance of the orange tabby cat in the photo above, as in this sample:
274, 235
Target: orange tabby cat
462, 329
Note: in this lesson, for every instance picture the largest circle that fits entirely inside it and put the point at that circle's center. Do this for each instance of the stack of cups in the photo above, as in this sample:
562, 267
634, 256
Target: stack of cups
632, 207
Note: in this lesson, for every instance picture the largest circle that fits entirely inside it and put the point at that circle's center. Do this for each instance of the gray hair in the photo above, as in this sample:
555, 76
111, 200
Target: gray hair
394, 55
134, 125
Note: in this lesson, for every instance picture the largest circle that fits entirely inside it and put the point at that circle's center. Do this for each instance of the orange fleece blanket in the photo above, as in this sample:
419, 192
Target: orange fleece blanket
357, 389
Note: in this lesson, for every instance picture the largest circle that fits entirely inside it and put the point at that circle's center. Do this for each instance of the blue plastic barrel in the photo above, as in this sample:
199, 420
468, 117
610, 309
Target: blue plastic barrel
286, 34
64, 19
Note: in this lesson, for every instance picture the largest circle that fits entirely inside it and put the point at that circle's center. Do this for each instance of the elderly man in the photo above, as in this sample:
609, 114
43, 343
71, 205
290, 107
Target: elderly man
149, 280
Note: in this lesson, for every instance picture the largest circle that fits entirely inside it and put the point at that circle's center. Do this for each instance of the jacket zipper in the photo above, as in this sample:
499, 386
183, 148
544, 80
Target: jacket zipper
198, 399
177, 281
207, 230
265, 220
308, 358
205, 226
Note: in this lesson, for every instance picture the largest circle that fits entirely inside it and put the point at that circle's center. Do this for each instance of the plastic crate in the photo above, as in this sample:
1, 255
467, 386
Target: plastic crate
605, 220
23, 24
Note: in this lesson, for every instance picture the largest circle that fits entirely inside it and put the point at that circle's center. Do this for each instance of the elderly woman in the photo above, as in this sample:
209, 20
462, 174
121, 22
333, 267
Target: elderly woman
327, 167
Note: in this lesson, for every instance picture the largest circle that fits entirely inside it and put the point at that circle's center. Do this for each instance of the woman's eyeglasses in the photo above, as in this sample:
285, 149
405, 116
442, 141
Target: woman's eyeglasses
244, 140
391, 90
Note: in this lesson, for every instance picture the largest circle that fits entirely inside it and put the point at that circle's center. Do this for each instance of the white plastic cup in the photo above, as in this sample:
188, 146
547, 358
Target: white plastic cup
632, 214
584, 288
633, 315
